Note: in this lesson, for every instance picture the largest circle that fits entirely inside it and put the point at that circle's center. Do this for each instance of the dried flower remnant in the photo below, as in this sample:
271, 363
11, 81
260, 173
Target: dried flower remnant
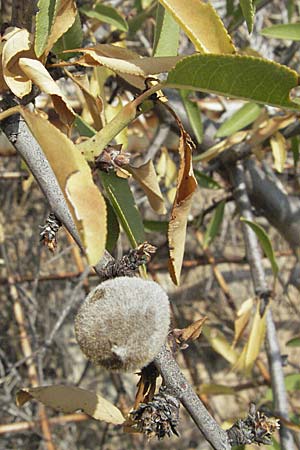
123, 323
257, 428
159, 417
112, 158
49, 231
130, 262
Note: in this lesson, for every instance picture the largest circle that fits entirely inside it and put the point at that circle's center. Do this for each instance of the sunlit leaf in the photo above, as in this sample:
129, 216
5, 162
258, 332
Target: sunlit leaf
194, 114
93, 103
94, 146
252, 348
121, 60
202, 25
37, 72
243, 317
84, 197
147, 178
106, 14
123, 203
278, 146
214, 225
240, 119
66, 160
248, 10
220, 344
237, 76
16, 44
265, 243
283, 31
214, 151
166, 37
69, 399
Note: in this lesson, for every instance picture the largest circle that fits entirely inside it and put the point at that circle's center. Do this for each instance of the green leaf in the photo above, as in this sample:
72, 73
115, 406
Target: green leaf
295, 342
248, 10
113, 228
83, 128
166, 36
43, 23
71, 39
265, 243
106, 14
194, 114
295, 149
202, 25
214, 225
237, 76
205, 181
155, 226
284, 31
123, 203
292, 383
240, 119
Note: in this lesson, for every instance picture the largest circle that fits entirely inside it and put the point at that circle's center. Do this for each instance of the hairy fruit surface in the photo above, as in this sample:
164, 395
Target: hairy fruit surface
123, 323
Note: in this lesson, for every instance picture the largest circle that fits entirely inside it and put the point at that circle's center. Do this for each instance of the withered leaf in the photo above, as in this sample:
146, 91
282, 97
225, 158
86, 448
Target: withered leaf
186, 186
69, 399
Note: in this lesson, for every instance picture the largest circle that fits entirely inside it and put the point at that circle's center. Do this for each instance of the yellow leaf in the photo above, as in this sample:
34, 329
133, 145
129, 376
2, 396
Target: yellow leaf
278, 145
94, 102
251, 350
110, 112
65, 160
243, 316
186, 186
17, 43
37, 73
214, 151
64, 19
85, 199
268, 127
68, 399
166, 168
147, 178
121, 60
202, 25
220, 344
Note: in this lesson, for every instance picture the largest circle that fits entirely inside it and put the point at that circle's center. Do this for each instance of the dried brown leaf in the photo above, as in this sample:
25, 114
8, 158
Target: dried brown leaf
186, 186
243, 316
69, 399
36, 72
16, 44
147, 178
66, 160
64, 19
94, 103
85, 199
193, 331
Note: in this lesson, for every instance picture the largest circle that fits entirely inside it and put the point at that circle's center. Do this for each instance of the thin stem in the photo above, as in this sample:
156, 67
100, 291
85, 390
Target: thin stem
237, 175
176, 382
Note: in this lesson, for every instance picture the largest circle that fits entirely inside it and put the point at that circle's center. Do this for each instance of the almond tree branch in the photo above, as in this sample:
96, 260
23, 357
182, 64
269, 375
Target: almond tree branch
177, 383
238, 180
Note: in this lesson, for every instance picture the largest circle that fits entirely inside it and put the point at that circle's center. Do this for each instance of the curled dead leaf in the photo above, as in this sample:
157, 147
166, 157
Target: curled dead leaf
186, 186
